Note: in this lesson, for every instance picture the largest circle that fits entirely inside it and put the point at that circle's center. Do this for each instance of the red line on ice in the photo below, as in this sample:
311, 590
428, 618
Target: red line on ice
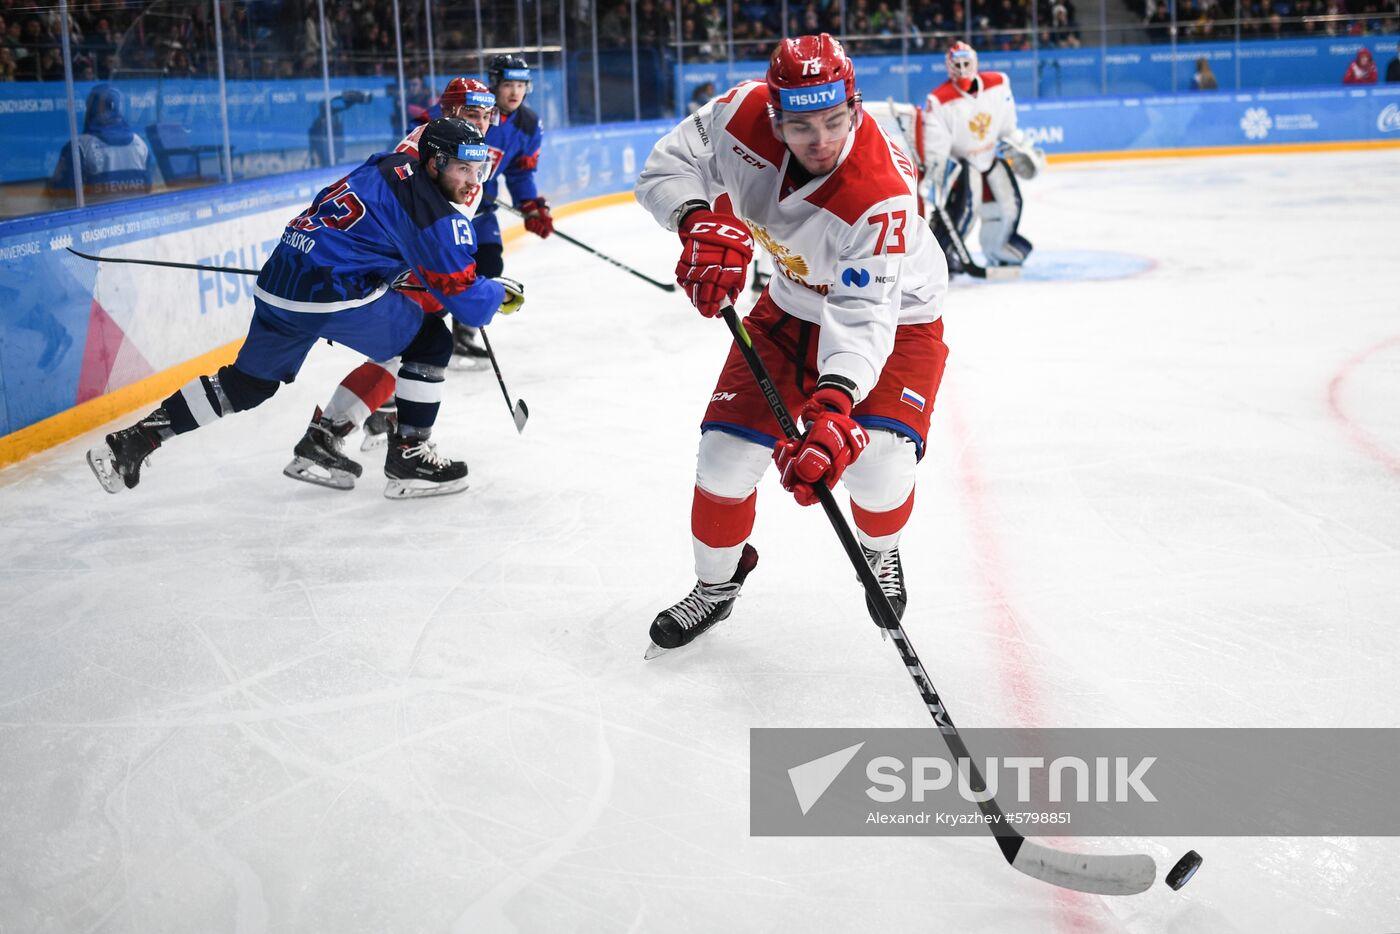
1359, 436
1074, 911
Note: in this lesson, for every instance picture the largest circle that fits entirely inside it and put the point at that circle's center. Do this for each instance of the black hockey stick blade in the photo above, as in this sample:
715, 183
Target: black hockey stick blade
519, 414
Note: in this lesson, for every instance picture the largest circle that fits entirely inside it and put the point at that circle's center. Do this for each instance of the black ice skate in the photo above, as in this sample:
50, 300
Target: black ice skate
320, 456
890, 573
381, 423
415, 468
117, 461
705, 605
468, 353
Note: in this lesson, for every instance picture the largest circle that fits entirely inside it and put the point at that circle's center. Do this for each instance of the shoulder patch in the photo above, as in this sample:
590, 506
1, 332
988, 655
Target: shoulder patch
414, 191
991, 79
525, 120
749, 124
946, 93
867, 177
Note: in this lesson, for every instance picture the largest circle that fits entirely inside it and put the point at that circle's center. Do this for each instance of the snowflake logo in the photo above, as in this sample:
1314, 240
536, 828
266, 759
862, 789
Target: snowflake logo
1256, 123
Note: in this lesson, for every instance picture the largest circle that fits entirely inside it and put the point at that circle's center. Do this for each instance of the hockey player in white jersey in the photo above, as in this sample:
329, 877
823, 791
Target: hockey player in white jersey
850, 326
974, 152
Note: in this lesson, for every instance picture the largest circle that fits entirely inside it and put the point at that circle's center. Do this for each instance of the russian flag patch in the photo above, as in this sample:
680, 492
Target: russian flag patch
910, 397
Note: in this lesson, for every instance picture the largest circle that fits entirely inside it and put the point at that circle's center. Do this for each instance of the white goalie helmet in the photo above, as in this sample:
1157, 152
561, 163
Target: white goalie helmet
961, 60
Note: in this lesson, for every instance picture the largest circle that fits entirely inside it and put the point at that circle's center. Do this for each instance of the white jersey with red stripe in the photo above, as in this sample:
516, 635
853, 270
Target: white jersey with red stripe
850, 249
969, 124
409, 144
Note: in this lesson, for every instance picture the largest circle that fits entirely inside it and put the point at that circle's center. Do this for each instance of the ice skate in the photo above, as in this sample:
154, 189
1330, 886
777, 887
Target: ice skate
890, 573
320, 456
705, 605
117, 461
415, 468
381, 423
468, 353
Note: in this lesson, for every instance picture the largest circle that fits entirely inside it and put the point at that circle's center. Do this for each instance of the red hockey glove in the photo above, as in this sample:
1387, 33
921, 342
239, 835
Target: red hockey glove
833, 441
538, 220
716, 250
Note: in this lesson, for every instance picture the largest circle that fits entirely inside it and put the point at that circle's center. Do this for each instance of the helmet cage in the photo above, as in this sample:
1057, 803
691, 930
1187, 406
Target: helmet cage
962, 62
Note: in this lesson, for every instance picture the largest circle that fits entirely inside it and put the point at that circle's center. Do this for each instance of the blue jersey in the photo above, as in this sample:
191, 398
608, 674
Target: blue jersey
515, 143
370, 230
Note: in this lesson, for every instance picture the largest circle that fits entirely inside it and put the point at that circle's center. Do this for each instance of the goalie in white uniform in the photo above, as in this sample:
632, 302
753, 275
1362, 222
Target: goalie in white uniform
974, 152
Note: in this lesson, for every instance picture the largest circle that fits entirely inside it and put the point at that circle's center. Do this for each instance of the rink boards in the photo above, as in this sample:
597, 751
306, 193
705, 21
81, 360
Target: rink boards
82, 343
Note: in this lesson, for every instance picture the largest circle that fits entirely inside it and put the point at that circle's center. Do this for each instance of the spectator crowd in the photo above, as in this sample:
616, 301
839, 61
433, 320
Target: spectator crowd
1206, 20
282, 38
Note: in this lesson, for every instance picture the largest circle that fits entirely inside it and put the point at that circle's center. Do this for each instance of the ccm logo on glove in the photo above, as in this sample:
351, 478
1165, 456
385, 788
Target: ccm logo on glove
715, 254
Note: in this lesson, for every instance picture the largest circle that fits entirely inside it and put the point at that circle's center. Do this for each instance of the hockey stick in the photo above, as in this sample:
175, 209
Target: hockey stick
1116, 874
941, 218
235, 270
519, 412
663, 286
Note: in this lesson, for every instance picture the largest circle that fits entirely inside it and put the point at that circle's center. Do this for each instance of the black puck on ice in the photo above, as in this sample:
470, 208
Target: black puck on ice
1184, 869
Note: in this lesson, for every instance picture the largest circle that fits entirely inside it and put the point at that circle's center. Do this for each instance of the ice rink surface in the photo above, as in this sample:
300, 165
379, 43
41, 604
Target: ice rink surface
1162, 489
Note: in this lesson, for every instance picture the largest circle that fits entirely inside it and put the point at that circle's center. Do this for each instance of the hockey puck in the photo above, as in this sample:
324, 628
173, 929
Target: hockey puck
1184, 869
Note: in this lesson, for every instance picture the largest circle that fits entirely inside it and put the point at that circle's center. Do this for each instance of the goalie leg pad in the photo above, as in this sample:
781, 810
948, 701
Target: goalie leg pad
958, 206
1000, 213
959, 203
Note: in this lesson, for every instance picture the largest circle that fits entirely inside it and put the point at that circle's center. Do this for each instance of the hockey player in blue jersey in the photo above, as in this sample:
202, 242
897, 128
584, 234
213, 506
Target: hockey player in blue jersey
514, 138
366, 394
332, 277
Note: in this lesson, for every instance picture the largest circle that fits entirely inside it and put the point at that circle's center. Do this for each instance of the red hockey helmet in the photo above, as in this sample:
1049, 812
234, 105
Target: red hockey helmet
962, 64
466, 92
810, 73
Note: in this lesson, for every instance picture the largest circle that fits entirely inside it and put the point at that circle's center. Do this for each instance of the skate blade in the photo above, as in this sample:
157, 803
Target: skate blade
374, 442
100, 460
417, 489
310, 472
655, 651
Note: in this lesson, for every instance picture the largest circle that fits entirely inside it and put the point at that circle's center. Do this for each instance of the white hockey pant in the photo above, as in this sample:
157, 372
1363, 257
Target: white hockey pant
729, 467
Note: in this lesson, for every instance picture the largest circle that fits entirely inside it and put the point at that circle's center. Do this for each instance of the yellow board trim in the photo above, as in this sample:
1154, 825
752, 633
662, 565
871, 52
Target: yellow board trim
71, 423
86, 416
1116, 156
